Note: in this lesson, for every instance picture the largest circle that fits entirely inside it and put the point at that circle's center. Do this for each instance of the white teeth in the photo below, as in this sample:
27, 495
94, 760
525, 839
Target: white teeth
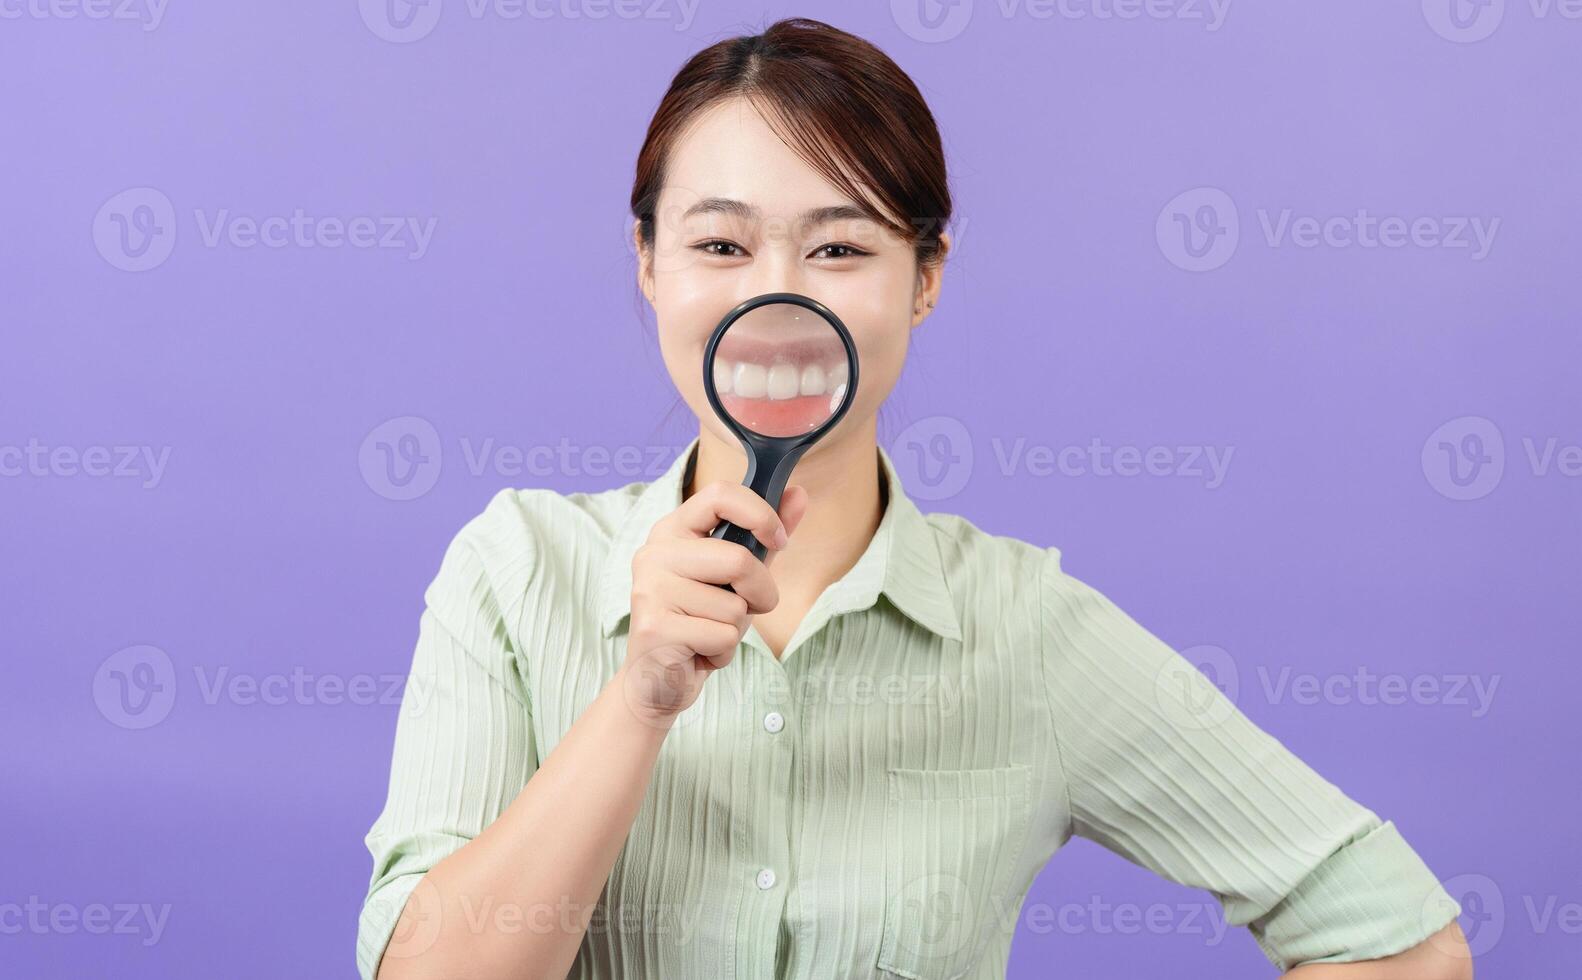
751, 381
782, 382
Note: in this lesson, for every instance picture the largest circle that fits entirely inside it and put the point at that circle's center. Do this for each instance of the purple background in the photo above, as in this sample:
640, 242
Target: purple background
271, 541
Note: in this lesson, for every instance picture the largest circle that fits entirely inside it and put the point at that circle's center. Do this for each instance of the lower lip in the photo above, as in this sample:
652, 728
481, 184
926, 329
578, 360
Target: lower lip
781, 417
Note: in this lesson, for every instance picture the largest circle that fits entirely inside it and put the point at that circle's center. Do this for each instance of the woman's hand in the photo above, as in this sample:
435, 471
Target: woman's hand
684, 626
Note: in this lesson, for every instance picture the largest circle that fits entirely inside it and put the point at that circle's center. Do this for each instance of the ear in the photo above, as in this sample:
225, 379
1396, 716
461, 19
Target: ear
930, 278
645, 262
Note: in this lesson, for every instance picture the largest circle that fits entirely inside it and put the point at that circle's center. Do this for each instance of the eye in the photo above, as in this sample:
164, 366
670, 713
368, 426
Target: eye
843, 251
713, 246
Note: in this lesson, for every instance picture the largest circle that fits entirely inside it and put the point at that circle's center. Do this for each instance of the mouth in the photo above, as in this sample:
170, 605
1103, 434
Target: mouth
781, 389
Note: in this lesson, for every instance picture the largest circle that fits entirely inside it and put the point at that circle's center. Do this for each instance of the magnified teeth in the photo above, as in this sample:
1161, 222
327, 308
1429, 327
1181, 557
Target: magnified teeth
778, 382
783, 381
751, 381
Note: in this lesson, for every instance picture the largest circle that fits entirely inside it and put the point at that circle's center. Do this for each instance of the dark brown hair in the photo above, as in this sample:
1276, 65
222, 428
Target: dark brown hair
838, 101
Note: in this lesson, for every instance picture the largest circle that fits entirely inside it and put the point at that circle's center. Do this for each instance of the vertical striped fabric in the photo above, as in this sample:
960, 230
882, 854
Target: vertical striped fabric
876, 802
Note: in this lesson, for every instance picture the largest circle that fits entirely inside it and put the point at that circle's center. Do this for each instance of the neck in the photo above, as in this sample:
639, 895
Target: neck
845, 503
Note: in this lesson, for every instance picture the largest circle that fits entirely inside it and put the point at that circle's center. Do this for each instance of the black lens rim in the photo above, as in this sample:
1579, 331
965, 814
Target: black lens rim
751, 437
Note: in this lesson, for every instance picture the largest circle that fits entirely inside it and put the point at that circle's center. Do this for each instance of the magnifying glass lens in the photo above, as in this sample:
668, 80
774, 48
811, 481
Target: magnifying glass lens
780, 370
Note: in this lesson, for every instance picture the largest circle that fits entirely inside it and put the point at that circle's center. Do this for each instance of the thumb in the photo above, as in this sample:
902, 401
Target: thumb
793, 506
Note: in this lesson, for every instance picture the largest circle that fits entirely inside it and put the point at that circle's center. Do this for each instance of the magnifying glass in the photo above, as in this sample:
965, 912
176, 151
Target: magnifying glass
780, 370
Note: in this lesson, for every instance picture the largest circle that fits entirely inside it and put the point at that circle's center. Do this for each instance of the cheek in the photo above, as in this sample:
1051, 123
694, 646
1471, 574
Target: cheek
880, 321
689, 307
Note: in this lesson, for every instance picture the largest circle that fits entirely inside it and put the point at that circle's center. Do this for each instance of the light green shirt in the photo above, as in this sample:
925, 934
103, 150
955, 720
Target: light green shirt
877, 801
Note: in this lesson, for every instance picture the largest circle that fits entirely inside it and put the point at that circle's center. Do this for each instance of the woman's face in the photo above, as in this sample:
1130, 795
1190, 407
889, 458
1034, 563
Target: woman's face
742, 214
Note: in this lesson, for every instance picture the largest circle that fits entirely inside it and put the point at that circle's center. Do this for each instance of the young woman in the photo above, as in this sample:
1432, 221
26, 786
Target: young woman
854, 764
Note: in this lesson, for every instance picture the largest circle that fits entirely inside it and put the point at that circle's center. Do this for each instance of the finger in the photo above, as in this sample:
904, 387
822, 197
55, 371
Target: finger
720, 562
702, 512
793, 507
705, 601
707, 638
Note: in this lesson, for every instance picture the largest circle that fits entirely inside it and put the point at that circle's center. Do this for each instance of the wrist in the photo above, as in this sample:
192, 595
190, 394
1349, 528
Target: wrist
629, 694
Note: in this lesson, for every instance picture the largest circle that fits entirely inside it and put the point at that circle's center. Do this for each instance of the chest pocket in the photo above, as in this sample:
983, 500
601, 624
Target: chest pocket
951, 841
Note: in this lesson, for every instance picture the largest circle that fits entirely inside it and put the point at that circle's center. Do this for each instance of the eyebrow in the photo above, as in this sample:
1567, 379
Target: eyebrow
814, 216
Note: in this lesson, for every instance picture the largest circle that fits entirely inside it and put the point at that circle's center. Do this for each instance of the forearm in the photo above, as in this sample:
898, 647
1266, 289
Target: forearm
516, 900
1442, 956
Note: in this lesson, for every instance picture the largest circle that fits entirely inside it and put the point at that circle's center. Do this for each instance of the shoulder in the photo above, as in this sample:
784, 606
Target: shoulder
993, 581
1001, 580
973, 558
522, 538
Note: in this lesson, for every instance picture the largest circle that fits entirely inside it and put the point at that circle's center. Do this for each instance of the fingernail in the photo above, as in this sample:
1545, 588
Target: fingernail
781, 538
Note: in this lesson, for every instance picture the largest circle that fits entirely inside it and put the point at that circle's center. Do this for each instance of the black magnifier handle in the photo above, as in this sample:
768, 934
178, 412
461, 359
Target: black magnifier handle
769, 472
742, 536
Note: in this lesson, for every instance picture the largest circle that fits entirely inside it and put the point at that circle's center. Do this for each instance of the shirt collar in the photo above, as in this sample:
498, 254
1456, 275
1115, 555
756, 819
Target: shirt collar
901, 561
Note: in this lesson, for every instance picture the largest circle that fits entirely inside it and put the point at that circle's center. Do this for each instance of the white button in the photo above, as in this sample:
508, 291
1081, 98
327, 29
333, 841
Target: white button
773, 722
766, 878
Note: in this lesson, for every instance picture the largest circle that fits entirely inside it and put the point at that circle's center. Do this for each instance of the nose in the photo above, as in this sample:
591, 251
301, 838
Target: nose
777, 270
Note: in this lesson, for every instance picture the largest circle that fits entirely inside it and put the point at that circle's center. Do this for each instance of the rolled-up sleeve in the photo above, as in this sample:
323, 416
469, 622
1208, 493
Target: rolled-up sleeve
464, 744
1164, 770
